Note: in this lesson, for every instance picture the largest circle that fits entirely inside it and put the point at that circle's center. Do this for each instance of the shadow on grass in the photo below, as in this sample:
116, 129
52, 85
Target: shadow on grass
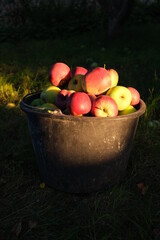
31, 210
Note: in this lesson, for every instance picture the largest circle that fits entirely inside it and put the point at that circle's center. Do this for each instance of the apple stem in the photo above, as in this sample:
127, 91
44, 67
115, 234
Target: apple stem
104, 65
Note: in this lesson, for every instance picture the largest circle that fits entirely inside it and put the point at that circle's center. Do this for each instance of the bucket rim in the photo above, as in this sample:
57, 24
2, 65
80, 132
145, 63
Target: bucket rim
27, 108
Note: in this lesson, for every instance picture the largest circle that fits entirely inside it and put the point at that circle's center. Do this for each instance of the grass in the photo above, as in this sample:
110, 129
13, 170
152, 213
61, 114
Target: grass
129, 210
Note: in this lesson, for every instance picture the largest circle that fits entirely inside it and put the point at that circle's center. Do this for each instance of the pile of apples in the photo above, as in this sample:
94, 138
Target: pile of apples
87, 93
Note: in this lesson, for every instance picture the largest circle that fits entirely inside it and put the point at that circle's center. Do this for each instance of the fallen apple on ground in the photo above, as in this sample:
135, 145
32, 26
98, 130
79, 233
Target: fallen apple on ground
104, 106
59, 74
79, 103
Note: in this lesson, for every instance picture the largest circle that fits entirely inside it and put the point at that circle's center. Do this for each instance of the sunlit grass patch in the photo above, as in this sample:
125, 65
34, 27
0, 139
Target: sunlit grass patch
15, 85
7, 91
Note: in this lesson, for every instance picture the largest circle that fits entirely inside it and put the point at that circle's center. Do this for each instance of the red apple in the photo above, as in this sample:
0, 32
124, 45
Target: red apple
75, 83
135, 96
92, 97
59, 74
62, 98
96, 81
104, 106
68, 95
79, 104
79, 70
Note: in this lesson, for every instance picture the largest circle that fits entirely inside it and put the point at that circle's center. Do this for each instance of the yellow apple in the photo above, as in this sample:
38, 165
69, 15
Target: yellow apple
114, 77
75, 83
128, 110
122, 96
49, 94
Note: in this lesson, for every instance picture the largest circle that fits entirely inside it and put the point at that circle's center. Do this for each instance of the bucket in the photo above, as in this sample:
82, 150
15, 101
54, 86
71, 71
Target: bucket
80, 154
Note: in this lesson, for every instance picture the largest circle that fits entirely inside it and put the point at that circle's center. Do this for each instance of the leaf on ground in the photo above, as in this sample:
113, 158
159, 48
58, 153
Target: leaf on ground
32, 224
142, 187
16, 230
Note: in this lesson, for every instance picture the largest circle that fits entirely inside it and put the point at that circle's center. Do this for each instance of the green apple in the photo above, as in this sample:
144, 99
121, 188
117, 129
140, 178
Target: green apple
75, 83
122, 97
49, 94
37, 102
49, 106
128, 110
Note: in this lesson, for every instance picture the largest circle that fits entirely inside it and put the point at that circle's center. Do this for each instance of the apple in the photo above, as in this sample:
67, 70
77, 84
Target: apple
135, 96
104, 106
96, 81
79, 70
37, 102
49, 106
114, 77
92, 97
128, 110
62, 98
75, 83
68, 95
49, 94
109, 91
122, 96
10, 105
79, 104
59, 74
